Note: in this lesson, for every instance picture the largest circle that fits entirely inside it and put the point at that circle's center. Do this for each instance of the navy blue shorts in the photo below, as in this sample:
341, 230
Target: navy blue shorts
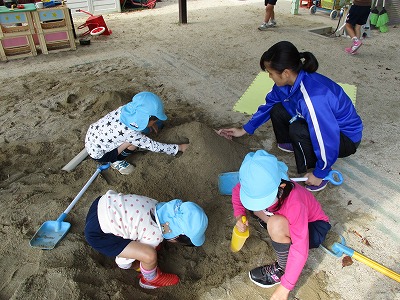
317, 232
270, 2
358, 15
106, 243
111, 156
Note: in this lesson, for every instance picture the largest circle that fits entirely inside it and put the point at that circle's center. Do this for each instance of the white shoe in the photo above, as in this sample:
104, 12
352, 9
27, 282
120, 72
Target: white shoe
265, 26
123, 167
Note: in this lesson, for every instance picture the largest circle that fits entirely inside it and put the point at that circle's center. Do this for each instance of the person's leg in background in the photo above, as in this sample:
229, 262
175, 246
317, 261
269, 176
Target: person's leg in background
357, 17
269, 18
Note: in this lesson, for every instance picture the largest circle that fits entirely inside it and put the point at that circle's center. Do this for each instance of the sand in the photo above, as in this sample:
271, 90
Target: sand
200, 70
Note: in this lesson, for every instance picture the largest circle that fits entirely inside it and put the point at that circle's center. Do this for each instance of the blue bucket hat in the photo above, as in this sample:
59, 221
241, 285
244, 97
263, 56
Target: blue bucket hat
260, 176
136, 114
176, 217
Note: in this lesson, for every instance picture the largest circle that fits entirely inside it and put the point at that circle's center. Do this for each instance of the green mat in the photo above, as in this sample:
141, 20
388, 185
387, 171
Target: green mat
255, 94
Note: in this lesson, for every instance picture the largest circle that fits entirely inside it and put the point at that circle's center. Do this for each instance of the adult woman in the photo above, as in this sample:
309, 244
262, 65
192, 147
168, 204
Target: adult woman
311, 115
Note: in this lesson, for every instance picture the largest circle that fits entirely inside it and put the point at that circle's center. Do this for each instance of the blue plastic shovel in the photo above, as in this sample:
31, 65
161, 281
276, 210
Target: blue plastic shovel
227, 181
51, 232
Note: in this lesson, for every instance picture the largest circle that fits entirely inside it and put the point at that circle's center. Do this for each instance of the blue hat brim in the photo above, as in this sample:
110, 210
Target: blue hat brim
166, 212
253, 204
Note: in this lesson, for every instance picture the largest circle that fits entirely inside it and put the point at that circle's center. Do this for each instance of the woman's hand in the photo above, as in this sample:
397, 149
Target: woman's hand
281, 293
228, 133
312, 180
183, 147
240, 225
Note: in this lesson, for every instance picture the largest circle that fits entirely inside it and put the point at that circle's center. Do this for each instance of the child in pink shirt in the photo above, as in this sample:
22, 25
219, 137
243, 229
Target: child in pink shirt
292, 216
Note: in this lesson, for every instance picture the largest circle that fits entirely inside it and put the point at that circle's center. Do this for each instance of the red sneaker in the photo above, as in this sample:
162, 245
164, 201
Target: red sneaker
162, 279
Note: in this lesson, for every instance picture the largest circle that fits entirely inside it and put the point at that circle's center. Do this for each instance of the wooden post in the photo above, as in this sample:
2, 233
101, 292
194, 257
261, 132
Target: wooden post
295, 7
182, 11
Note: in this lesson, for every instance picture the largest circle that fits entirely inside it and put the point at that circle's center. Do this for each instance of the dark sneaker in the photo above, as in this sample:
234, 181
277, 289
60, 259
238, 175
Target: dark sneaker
314, 188
161, 280
287, 147
267, 276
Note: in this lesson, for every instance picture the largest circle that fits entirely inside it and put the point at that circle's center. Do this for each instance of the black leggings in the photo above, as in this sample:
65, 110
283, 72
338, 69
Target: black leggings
298, 134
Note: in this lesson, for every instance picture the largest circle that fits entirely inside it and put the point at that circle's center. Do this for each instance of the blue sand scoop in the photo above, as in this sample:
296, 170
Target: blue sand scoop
51, 232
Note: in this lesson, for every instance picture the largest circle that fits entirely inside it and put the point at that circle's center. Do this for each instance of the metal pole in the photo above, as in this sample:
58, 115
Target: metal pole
182, 11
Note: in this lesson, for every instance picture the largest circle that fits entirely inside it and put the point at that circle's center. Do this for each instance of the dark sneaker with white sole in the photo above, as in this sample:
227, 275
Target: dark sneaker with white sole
287, 147
267, 276
314, 188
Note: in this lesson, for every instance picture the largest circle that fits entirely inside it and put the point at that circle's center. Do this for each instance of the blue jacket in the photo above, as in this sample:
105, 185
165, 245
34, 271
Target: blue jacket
326, 108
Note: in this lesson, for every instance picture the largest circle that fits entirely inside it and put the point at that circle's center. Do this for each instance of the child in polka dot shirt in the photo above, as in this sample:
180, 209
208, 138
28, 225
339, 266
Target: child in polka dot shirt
130, 227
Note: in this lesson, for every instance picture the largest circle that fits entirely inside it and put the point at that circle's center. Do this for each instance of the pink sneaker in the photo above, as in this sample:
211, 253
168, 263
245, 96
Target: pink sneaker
353, 49
350, 51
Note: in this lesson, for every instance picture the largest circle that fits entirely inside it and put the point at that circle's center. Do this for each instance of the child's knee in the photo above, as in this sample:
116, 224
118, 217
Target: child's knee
149, 257
277, 225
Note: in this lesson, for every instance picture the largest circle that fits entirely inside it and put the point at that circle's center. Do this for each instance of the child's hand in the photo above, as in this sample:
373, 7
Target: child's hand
183, 147
281, 293
240, 225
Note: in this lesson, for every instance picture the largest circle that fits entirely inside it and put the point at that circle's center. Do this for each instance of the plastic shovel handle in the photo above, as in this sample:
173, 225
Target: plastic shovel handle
99, 169
373, 264
369, 262
330, 177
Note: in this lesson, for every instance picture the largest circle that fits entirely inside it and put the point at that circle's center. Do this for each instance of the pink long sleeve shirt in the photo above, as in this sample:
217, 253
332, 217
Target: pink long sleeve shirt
299, 208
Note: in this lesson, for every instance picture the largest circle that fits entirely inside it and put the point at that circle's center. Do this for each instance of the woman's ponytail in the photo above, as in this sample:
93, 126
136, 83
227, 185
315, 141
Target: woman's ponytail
310, 63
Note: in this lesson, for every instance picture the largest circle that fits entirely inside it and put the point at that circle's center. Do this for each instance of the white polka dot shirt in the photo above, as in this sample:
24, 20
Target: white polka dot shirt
128, 216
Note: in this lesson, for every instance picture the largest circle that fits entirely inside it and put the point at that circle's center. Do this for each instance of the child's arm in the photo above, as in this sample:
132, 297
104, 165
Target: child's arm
281, 293
238, 208
297, 215
142, 141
